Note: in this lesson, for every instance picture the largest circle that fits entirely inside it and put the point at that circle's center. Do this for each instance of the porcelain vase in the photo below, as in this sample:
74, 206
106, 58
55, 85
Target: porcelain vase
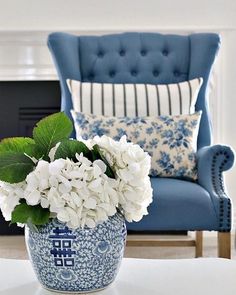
77, 261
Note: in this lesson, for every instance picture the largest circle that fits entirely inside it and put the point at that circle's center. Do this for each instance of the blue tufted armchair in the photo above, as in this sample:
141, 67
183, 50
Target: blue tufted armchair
178, 204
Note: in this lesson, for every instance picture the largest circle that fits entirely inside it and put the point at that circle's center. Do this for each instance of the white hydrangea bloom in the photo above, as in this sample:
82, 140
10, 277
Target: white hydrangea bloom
80, 193
131, 165
53, 152
10, 195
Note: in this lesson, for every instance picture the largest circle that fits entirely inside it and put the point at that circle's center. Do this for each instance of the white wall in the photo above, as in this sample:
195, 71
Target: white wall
78, 15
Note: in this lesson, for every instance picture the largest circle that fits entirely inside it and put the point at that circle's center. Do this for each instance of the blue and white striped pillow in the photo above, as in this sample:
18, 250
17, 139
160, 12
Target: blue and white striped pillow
135, 100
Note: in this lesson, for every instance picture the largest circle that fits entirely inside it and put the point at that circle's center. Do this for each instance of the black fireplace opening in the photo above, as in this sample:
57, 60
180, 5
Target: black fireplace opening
22, 105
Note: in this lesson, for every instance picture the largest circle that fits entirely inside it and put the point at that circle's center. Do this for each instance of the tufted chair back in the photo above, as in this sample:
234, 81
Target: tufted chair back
136, 58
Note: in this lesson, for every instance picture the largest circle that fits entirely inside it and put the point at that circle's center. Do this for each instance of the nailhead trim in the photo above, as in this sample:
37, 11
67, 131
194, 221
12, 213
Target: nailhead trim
218, 186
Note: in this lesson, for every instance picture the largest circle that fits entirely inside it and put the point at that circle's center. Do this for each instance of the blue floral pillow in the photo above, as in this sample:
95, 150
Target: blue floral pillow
171, 141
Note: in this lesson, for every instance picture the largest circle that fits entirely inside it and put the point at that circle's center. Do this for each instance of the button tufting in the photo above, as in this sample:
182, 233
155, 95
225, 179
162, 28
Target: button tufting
112, 74
155, 73
134, 73
122, 52
143, 52
165, 52
100, 54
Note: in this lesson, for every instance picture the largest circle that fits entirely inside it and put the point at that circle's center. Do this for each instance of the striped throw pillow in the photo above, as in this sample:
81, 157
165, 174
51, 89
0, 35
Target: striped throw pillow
135, 99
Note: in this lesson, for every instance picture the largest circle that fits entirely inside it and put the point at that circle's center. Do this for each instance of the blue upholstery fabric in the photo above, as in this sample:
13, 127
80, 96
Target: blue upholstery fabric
155, 58
179, 205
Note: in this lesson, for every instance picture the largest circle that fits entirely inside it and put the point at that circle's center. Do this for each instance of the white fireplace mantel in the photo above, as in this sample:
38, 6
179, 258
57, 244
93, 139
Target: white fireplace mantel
25, 56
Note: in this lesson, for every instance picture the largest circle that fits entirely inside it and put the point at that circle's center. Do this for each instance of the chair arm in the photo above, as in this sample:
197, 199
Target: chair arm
211, 162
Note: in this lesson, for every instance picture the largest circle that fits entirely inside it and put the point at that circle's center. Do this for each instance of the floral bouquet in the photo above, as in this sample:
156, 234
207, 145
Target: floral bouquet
81, 183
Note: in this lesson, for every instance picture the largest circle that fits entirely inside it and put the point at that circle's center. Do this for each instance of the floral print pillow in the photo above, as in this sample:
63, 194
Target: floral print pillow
171, 141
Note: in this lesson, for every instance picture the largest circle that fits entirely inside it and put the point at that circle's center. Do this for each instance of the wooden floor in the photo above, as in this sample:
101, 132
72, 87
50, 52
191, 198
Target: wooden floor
14, 247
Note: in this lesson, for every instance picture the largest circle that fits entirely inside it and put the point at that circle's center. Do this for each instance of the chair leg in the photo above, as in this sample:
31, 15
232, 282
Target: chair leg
224, 245
198, 248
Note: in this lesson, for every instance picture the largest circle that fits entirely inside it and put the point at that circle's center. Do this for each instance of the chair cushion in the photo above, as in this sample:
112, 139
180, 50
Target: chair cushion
178, 205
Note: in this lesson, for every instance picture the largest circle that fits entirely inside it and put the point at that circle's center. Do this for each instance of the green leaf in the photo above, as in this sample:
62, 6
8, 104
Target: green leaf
68, 149
24, 213
34, 151
51, 130
97, 154
20, 144
14, 166
17, 144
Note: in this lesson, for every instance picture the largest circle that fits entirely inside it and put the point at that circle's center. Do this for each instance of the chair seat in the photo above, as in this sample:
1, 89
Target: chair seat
178, 205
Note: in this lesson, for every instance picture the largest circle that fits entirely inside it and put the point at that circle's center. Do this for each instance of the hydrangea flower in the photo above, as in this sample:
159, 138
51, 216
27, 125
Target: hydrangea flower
132, 166
10, 195
79, 193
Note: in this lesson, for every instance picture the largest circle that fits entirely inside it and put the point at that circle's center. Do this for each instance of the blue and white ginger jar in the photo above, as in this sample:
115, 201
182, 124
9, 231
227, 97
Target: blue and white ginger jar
77, 261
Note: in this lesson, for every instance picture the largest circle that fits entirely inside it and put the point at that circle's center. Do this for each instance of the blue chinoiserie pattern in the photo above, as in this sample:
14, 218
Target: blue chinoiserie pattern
81, 260
62, 242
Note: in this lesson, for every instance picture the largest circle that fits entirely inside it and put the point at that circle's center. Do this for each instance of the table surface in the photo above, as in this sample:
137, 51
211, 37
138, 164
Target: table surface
139, 277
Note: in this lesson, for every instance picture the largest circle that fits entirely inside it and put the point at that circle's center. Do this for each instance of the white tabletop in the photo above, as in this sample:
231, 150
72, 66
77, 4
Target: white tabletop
206, 276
